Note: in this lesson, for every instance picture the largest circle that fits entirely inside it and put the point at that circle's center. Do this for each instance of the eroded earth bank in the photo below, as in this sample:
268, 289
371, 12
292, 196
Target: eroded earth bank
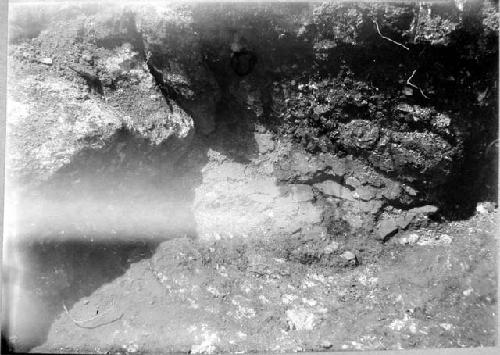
251, 177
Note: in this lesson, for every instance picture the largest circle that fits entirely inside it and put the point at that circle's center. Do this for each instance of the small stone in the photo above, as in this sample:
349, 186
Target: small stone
410, 191
481, 209
326, 344
348, 255
86, 302
427, 209
445, 239
87, 57
468, 292
332, 247
410, 239
446, 326
47, 61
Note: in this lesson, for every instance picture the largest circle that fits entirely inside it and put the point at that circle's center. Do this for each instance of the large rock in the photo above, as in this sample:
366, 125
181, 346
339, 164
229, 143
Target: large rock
234, 201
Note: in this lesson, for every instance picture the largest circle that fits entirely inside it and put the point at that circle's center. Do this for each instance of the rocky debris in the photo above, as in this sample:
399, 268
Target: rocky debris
359, 134
360, 111
433, 240
359, 190
402, 151
112, 67
388, 226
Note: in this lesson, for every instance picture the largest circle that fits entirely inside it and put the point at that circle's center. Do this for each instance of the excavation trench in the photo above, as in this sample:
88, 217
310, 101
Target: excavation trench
107, 209
318, 143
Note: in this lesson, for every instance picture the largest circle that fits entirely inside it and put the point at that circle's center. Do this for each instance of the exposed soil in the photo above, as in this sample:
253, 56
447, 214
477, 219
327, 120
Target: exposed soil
242, 178
437, 289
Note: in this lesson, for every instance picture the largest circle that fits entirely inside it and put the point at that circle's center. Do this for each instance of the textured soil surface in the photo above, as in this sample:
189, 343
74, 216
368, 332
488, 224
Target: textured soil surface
432, 287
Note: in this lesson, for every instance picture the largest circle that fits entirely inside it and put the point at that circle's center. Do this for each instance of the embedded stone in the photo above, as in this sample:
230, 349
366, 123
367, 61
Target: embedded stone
427, 209
386, 229
332, 188
301, 192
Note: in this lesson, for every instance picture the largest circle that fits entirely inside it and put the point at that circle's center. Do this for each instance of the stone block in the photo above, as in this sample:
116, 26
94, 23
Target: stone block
332, 188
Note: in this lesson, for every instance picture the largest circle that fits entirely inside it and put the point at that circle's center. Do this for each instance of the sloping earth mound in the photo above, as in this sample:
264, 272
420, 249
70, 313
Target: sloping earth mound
434, 287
